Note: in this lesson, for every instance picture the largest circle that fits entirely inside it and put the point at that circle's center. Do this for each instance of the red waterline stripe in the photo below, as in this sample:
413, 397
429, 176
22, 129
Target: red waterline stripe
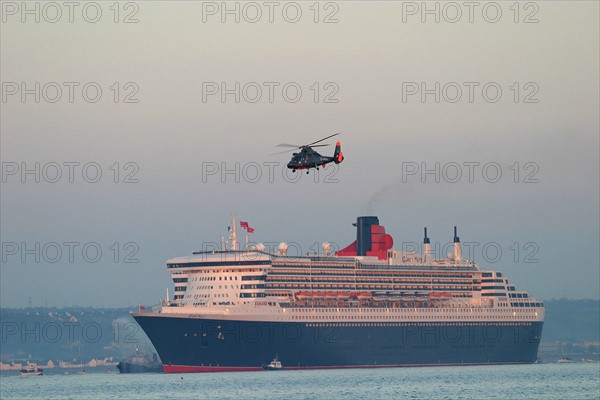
196, 368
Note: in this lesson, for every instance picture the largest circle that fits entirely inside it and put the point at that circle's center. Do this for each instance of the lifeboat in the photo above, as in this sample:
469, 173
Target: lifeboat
421, 296
302, 295
443, 295
364, 295
342, 295
330, 295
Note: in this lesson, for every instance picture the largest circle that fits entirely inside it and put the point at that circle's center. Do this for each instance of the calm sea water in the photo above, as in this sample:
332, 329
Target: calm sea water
539, 381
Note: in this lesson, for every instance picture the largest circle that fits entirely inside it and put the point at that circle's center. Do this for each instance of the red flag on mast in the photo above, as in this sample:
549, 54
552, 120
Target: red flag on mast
243, 224
250, 230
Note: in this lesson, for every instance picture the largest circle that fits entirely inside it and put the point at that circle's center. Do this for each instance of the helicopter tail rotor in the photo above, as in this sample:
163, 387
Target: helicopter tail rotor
338, 155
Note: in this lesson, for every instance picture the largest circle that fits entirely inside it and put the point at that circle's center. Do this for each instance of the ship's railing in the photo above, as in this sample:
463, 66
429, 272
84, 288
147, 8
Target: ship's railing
369, 266
413, 303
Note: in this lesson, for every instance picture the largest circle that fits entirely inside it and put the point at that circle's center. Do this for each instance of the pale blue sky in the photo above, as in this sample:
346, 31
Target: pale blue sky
368, 54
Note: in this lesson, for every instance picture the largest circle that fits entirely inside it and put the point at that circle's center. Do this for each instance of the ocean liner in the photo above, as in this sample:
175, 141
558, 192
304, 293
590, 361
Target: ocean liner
367, 305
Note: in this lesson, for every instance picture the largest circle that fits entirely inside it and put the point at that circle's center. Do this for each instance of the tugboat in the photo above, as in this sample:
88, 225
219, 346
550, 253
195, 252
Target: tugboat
274, 365
139, 363
31, 370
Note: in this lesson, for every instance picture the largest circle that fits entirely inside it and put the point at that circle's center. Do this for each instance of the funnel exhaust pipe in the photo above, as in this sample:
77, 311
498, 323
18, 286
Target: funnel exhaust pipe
457, 248
427, 256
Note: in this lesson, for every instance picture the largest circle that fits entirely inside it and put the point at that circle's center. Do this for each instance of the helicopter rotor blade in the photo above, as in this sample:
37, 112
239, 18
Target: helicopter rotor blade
281, 152
325, 138
296, 148
288, 145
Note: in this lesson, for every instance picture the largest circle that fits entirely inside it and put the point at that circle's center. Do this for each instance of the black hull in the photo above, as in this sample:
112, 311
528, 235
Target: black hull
194, 345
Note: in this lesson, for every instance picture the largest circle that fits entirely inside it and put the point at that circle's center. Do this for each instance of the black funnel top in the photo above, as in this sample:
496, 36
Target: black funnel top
363, 234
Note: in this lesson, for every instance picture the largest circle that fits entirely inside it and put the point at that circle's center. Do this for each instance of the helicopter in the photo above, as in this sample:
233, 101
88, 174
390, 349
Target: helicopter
308, 158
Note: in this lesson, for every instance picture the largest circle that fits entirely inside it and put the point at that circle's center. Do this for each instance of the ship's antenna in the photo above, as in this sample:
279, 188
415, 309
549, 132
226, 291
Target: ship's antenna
457, 248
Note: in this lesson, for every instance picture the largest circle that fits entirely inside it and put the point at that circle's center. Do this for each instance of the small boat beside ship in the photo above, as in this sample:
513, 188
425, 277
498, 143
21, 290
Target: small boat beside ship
140, 363
31, 370
274, 365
